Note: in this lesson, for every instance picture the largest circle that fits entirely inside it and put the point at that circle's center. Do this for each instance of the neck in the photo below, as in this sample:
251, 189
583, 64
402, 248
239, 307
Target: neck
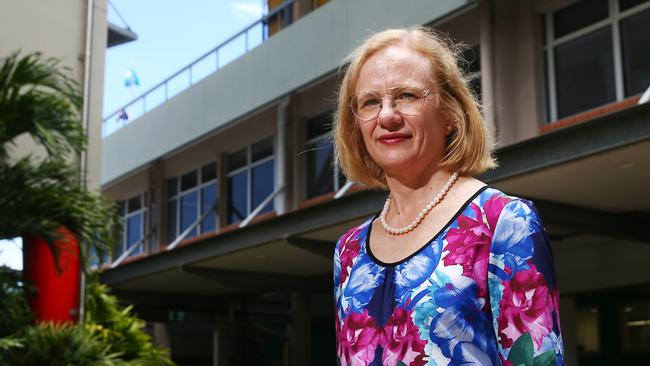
411, 194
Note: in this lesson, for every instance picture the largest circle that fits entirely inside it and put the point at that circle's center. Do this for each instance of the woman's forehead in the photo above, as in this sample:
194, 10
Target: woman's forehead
393, 66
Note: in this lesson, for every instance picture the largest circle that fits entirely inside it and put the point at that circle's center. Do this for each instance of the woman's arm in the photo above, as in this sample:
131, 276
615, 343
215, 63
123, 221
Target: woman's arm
523, 295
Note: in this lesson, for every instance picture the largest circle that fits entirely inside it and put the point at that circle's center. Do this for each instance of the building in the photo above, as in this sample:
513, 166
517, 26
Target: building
232, 208
31, 26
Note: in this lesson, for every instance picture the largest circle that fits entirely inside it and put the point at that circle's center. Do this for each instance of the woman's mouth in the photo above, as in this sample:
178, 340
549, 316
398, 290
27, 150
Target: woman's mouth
393, 138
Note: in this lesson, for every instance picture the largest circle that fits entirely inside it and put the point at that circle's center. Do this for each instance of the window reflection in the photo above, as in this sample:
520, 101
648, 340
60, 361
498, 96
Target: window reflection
636, 326
251, 179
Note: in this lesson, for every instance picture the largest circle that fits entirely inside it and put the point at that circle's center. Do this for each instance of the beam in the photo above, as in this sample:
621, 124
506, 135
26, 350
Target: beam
596, 222
354, 206
604, 133
322, 248
256, 281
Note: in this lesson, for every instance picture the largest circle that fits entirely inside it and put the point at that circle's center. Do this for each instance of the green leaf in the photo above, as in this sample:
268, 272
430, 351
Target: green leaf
545, 359
400, 363
521, 352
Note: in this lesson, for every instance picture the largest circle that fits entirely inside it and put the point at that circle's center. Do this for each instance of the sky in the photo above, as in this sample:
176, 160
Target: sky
171, 34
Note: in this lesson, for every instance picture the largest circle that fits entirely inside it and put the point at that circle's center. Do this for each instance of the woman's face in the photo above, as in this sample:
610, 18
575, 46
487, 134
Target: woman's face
399, 143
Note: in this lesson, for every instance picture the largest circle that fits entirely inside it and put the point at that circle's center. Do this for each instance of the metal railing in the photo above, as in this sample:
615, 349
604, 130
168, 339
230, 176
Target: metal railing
201, 67
127, 253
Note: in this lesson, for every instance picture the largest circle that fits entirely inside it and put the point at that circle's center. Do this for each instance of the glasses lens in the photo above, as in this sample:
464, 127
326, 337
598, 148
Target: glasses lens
409, 101
367, 105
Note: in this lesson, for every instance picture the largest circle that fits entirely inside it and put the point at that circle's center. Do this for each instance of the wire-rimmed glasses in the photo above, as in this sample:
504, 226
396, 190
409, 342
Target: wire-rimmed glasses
407, 101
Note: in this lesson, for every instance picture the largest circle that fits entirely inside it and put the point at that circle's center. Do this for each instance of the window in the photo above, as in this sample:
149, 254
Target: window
251, 179
190, 196
595, 53
322, 176
133, 215
635, 325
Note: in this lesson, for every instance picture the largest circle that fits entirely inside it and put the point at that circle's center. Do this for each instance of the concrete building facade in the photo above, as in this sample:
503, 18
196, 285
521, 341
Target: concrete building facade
231, 206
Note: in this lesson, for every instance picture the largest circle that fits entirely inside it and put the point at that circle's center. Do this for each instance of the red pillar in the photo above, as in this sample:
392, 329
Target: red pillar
56, 296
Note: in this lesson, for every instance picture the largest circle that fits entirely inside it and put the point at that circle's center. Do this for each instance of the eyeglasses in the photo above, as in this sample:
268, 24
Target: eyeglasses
406, 100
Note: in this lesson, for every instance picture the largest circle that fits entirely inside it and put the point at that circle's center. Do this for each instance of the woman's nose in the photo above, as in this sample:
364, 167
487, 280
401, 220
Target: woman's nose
388, 116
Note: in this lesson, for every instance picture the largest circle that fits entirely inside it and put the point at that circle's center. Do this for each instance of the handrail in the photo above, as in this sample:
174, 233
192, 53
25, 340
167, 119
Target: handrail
188, 68
645, 98
128, 252
261, 206
341, 192
191, 227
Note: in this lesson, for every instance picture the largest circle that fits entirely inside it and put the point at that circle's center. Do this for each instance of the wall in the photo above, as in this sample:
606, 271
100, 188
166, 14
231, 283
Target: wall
310, 48
58, 29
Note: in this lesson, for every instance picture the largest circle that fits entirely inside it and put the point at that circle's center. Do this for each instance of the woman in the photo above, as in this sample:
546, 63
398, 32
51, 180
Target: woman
451, 271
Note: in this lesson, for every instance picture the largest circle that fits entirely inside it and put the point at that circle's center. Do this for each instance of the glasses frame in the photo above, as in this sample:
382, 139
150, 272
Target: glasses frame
424, 94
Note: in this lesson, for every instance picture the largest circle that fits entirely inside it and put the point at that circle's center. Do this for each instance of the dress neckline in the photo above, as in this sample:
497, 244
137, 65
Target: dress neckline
460, 210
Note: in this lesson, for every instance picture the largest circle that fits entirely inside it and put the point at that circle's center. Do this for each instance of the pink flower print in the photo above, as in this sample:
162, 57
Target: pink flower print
349, 250
469, 243
526, 306
357, 339
401, 341
469, 246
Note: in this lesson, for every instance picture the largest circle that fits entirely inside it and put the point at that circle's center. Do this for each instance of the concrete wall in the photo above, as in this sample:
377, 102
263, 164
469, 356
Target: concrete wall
305, 51
58, 29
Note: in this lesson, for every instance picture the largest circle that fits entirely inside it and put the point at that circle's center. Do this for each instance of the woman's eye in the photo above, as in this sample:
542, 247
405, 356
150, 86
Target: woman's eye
369, 103
406, 96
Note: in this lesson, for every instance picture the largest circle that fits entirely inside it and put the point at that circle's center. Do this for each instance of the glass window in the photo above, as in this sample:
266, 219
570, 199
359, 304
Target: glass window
320, 171
189, 180
262, 149
588, 330
635, 41
237, 160
262, 184
319, 125
579, 15
189, 212
584, 73
134, 204
253, 182
208, 201
636, 326
628, 4
238, 197
134, 232
208, 172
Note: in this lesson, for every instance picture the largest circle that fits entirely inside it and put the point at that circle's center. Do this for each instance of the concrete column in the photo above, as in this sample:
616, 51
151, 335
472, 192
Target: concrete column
300, 330
569, 329
282, 149
222, 178
161, 336
160, 189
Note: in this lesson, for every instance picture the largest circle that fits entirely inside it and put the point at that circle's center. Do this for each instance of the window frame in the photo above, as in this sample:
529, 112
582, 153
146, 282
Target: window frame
248, 168
125, 215
199, 189
615, 16
313, 144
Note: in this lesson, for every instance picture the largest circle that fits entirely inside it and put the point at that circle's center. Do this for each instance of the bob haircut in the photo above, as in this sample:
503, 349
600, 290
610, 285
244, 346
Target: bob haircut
469, 148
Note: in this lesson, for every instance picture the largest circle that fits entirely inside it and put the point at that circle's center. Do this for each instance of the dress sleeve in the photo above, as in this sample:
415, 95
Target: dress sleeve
523, 295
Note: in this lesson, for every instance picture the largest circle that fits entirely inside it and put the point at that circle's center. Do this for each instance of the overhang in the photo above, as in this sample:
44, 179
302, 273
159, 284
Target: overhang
118, 35
588, 181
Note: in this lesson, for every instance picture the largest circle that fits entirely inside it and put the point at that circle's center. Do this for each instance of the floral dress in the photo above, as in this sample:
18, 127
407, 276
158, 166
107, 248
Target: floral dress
481, 292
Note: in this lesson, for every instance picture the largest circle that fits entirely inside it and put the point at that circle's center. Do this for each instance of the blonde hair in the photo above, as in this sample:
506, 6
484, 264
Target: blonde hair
469, 148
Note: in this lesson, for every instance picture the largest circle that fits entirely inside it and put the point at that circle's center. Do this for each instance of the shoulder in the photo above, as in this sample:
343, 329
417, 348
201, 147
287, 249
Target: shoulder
355, 233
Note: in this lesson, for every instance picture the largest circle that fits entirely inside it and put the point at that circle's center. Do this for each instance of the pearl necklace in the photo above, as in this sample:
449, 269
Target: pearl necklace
418, 219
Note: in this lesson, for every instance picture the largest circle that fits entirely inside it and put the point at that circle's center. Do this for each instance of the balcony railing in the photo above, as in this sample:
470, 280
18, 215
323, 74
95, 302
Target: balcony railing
211, 61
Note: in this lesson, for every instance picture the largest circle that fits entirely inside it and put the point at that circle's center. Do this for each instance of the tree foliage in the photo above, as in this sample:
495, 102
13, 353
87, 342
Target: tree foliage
38, 98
